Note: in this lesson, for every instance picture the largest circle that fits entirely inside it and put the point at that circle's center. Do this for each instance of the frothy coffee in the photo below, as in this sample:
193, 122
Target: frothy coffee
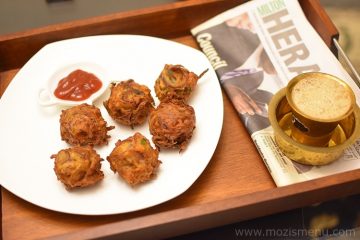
322, 99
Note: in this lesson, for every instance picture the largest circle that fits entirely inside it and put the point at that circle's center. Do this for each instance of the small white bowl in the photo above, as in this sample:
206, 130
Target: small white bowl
46, 95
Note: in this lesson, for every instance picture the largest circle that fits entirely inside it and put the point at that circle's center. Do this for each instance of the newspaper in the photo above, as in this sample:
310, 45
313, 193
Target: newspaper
255, 49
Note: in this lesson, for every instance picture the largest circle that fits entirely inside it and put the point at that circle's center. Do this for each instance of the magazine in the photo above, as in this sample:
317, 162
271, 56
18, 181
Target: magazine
256, 49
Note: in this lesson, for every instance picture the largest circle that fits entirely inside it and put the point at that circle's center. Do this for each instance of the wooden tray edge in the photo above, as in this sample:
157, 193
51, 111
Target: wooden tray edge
202, 216
156, 21
195, 218
321, 22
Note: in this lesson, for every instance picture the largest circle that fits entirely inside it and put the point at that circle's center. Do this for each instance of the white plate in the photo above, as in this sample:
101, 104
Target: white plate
29, 133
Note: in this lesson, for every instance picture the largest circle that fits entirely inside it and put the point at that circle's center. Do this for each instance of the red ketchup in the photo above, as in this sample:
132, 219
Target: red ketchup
77, 86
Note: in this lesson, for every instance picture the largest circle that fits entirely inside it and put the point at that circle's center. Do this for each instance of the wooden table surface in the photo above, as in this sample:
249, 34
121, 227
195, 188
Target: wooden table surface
234, 143
236, 184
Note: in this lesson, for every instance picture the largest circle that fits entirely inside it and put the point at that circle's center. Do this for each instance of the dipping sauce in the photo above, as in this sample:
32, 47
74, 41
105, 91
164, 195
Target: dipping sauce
77, 86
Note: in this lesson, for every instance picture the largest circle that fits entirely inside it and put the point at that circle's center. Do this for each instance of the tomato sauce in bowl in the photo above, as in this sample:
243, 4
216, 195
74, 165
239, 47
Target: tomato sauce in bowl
74, 84
77, 86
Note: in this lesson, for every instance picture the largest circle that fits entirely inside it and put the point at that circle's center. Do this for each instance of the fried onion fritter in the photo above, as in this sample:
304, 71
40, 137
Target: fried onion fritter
83, 125
129, 103
176, 82
134, 159
172, 124
78, 167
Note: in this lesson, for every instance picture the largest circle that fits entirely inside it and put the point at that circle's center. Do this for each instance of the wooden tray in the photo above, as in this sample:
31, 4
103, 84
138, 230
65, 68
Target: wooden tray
235, 186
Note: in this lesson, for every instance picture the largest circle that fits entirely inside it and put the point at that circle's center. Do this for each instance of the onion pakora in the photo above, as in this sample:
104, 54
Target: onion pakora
129, 103
176, 82
78, 167
83, 125
172, 124
134, 159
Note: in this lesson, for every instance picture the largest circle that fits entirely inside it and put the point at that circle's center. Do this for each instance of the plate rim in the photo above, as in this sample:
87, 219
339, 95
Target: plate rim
216, 136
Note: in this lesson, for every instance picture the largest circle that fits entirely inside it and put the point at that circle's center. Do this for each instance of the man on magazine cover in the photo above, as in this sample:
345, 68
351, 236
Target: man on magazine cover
247, 65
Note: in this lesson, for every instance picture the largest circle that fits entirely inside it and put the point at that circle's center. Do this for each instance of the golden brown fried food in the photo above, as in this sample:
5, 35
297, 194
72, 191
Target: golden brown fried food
176, 82
134, 159
129, 103
78, 167
172, 124
83, 125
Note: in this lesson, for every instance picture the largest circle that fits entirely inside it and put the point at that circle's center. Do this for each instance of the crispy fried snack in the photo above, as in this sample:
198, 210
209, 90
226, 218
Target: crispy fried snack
78, 167
176, 82
172, 124
134, 159
83, 125
129, 103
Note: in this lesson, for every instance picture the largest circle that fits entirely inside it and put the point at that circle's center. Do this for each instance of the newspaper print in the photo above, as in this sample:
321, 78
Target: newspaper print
255, 49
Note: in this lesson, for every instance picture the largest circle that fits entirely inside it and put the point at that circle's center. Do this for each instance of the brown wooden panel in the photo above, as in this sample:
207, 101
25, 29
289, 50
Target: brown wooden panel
171, 20
236, 184
198, 217
321, 22
226, 176
5, 79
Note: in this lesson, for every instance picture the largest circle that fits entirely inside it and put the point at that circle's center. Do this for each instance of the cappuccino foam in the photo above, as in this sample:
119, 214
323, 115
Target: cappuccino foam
322, 99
